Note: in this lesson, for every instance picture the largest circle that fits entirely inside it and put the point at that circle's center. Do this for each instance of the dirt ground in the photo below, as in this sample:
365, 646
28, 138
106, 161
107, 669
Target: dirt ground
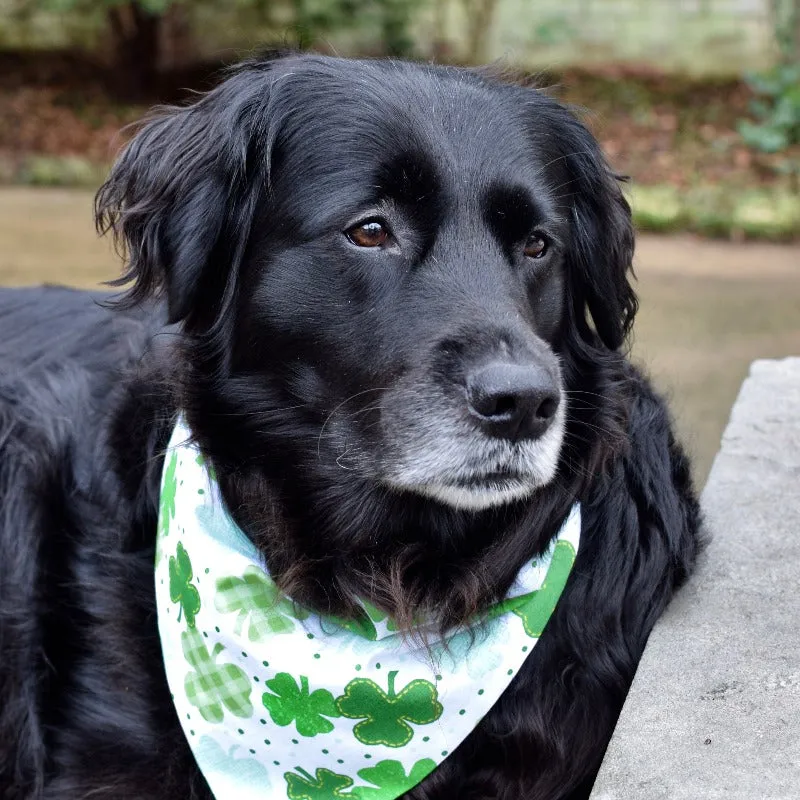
707, 308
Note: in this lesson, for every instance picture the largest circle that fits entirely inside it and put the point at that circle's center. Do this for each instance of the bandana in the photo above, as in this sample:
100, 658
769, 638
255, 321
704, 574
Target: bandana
277, 701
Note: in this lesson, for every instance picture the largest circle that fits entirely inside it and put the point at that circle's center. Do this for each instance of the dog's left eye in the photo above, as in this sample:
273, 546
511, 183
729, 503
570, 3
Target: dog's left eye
536, 246
370, 233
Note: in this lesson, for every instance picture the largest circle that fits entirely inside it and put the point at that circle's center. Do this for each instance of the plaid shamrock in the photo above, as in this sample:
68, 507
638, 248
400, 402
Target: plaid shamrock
256, 596
212, 686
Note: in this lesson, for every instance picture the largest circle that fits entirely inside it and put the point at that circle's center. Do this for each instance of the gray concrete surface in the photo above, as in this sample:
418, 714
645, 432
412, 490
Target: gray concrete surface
714, 710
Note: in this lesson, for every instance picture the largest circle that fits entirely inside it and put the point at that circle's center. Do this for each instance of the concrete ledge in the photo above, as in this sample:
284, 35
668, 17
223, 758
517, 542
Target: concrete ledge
714, 711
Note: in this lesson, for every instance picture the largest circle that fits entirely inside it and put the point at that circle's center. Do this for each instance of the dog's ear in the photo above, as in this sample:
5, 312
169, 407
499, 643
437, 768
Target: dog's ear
601, 252
181, 195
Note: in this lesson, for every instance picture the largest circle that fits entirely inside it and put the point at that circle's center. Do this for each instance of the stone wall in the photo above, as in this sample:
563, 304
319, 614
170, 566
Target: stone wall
714, 711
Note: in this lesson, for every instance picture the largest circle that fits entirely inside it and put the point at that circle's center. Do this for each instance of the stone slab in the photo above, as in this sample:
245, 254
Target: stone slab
714, 710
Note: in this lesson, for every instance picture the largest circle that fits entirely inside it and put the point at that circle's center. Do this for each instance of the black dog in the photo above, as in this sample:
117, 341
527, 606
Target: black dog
395, 301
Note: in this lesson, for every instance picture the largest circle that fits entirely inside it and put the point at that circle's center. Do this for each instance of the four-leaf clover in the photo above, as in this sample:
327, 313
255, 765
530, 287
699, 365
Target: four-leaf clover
212, 686
255, 594
181, 588
326, 785
385, 717
290, 702
390, 779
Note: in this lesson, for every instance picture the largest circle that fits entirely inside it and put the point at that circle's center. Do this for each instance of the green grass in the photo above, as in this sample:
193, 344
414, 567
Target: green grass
718, 211
38, 170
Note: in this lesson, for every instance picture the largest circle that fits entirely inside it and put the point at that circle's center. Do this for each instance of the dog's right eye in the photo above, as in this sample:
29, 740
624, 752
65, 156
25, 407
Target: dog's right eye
370, 233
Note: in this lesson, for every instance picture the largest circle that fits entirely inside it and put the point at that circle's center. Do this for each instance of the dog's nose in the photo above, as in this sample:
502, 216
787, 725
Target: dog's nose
512, 401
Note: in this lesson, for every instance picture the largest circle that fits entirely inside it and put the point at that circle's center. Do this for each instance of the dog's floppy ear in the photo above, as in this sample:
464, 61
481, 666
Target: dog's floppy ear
180, 197
601, 252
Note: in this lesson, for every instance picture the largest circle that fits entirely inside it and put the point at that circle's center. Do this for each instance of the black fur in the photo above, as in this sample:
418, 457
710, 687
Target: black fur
287, 347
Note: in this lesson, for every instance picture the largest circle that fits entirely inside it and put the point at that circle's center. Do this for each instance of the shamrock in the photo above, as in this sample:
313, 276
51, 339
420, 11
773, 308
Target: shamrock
364, 624
460, 649
390, 779
290, 702
255, 594
181, 589
536, 608
201, 462
385, 714
212, 686
169, 486
361, 626
233, 762
326, 785
378, 615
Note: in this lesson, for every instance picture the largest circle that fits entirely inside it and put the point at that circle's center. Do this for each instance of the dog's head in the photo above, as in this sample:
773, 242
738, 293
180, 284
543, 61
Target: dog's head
391, 278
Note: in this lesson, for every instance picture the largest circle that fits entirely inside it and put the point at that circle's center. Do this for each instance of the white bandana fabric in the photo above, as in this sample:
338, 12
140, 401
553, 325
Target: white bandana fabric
279, 702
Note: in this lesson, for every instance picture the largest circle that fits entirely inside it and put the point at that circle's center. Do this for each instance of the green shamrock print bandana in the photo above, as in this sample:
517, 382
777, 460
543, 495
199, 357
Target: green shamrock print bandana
277, 701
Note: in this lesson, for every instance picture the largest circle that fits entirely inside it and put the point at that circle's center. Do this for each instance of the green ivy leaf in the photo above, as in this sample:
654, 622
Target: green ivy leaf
181, 589
325, 785
390, 779
385, 716
293, 703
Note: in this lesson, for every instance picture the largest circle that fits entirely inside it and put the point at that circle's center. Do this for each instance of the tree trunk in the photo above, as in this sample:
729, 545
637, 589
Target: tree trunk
176, 44
785, 19
145, 46
135, 50
440, 44
480, 18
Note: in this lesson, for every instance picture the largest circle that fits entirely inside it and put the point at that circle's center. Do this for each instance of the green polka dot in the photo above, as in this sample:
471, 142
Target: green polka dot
367, 755
191, 731
358, 667
510, 672
241, 732
378, 666
188, 716
316, 655
310, 635
267, 741
325, 751
462, 712
253, 752
244, 654
294, 741
201, 491
426, 738
437, 677
525, 649
206, 570
256, 678
216, 628
340, 761
444, 752
480, 691
276, 763
205, 634
265, 663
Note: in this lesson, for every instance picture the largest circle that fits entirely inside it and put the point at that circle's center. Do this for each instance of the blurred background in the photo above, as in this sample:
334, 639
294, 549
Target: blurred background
697, 100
